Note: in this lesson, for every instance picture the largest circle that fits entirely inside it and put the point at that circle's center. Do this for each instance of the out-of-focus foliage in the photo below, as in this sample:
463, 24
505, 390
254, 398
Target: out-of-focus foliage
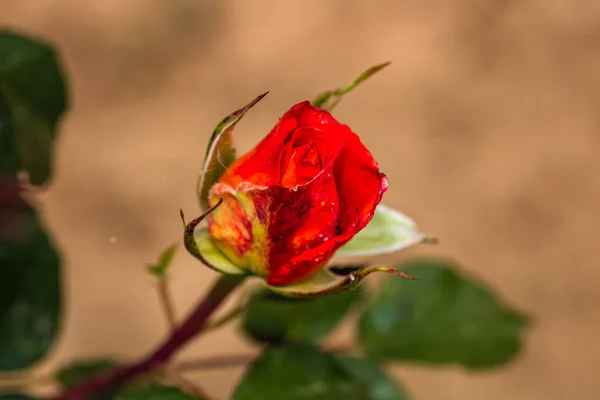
444, 318
32, 98
272, 318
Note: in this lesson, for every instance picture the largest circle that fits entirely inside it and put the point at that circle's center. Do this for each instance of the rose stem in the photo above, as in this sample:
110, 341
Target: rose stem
163, 354
236, 360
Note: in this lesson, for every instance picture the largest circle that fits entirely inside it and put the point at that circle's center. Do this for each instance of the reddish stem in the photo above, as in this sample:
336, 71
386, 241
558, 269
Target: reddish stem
163, 354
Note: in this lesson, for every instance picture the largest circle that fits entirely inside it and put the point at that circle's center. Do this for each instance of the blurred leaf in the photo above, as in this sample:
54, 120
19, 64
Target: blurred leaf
220, 153
32, 99
272, 318
16, 397
30, 309
329, 99
164, 261
298, 372
9, 159
445, 318
380, 386
15, 215
388, 231
153, 391
80, 370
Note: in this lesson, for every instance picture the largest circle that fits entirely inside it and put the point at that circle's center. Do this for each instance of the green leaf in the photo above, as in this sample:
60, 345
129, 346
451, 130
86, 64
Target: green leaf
153, 391
15, 227
389, 231
446, 318
32, 97
220, 153
379, 384
30, 308
272, 318
9, 159
16, 397
329, 99
80, 370
164, 262
298, 372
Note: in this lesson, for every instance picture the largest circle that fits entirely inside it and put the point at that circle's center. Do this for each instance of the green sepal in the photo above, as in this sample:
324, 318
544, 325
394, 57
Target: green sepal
217, 260
220, 153
389, 231
329, 99
325, 282
199, 245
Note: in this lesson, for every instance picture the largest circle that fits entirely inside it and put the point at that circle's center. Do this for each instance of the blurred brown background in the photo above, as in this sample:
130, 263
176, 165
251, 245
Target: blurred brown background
487, 124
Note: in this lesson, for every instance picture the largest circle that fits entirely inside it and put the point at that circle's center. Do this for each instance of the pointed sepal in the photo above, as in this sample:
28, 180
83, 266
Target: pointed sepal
199, 245
329, 99
389, 231
220, 153
325, 282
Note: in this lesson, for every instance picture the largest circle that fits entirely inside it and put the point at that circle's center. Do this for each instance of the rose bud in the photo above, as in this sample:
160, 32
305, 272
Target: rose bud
281, 211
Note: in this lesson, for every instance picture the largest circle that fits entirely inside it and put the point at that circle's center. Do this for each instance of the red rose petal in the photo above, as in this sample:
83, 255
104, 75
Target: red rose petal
261, 166
360, 184
301, 219
313, 184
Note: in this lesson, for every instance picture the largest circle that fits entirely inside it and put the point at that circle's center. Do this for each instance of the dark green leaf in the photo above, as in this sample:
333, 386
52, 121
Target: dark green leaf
32, 99
272, 318
15, 227
30, 301
153, 391
380, 386
298, 372
80, 370
16, 397
445, 318
9, 159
